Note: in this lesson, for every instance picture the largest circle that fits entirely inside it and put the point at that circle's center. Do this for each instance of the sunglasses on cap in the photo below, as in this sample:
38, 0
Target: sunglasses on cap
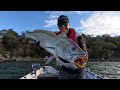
63, 18
60, 25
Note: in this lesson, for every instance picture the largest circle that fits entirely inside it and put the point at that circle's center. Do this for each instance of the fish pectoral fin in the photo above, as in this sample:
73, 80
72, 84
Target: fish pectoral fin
50, 59
57, 60
51, 50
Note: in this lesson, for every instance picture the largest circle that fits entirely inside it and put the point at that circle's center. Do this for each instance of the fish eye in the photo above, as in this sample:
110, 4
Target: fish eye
73, 49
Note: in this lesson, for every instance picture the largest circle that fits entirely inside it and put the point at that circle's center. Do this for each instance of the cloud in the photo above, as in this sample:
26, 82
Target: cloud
53, 15
102, 22
50, 23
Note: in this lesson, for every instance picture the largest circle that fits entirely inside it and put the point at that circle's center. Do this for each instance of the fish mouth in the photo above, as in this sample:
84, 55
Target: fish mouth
80, 62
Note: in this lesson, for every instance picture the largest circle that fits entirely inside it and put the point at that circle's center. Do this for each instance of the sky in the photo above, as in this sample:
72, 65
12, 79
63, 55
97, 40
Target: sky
86, 22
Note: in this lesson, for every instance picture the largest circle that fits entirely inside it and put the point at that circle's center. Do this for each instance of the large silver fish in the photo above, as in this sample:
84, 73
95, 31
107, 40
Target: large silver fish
58, 46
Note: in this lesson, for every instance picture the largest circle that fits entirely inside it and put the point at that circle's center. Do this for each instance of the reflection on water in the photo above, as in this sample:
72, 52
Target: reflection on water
108, 70
15, 70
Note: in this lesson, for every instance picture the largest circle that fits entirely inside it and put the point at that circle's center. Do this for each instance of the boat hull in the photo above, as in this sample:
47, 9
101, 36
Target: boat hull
48, 72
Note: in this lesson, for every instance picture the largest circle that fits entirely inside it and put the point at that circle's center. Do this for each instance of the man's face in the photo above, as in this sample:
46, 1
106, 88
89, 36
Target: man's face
64, 27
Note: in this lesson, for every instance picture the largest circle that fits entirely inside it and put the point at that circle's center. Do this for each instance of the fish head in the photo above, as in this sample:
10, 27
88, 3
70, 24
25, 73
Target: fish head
69, 51
77, 56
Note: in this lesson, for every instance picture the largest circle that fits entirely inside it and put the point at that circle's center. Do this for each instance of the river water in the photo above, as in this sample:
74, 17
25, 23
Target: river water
108, 70
15, 70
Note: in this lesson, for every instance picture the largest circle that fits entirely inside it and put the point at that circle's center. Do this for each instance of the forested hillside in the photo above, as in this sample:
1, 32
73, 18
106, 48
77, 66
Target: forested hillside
100, 48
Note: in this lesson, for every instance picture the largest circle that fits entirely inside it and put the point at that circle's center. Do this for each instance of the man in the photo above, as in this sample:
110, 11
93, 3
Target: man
66, 72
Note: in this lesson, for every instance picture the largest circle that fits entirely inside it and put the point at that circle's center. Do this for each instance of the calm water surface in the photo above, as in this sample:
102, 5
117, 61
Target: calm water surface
15, 70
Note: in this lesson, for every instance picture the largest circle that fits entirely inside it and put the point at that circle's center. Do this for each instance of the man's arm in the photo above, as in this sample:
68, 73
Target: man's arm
82, 43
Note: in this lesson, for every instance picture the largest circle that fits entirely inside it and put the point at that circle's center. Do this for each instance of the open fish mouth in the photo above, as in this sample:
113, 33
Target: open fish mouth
81, 62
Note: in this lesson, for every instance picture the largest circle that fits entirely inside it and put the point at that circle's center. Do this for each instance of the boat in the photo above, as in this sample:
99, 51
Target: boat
41, 72
48, 72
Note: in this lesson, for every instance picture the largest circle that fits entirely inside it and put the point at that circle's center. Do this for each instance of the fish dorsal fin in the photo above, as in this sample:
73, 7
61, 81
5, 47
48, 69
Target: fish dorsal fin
62, 34
49, 32
44, 31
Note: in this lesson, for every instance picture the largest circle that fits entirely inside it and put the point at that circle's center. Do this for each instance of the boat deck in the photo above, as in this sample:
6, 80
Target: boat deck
47, 76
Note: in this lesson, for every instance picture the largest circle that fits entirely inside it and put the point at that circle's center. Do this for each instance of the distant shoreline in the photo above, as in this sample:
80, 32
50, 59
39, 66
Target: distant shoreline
46, 58
22, 59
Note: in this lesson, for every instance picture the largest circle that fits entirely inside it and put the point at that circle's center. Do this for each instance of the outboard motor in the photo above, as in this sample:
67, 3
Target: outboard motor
36, 66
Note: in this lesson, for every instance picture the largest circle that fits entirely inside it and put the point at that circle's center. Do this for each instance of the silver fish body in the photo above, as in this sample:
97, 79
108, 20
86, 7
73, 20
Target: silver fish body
57, 46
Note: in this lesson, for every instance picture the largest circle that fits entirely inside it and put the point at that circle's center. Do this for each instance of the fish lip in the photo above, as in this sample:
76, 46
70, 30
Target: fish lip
80, 64
75, 58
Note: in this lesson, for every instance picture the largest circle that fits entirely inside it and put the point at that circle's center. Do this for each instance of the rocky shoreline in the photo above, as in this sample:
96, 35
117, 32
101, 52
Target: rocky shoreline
46, 58
23, 59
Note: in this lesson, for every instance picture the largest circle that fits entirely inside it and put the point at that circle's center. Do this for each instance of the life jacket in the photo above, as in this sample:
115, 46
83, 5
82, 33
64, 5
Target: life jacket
71, 34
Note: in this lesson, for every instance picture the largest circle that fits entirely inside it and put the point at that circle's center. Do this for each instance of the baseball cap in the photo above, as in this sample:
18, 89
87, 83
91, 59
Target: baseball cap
62, 19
